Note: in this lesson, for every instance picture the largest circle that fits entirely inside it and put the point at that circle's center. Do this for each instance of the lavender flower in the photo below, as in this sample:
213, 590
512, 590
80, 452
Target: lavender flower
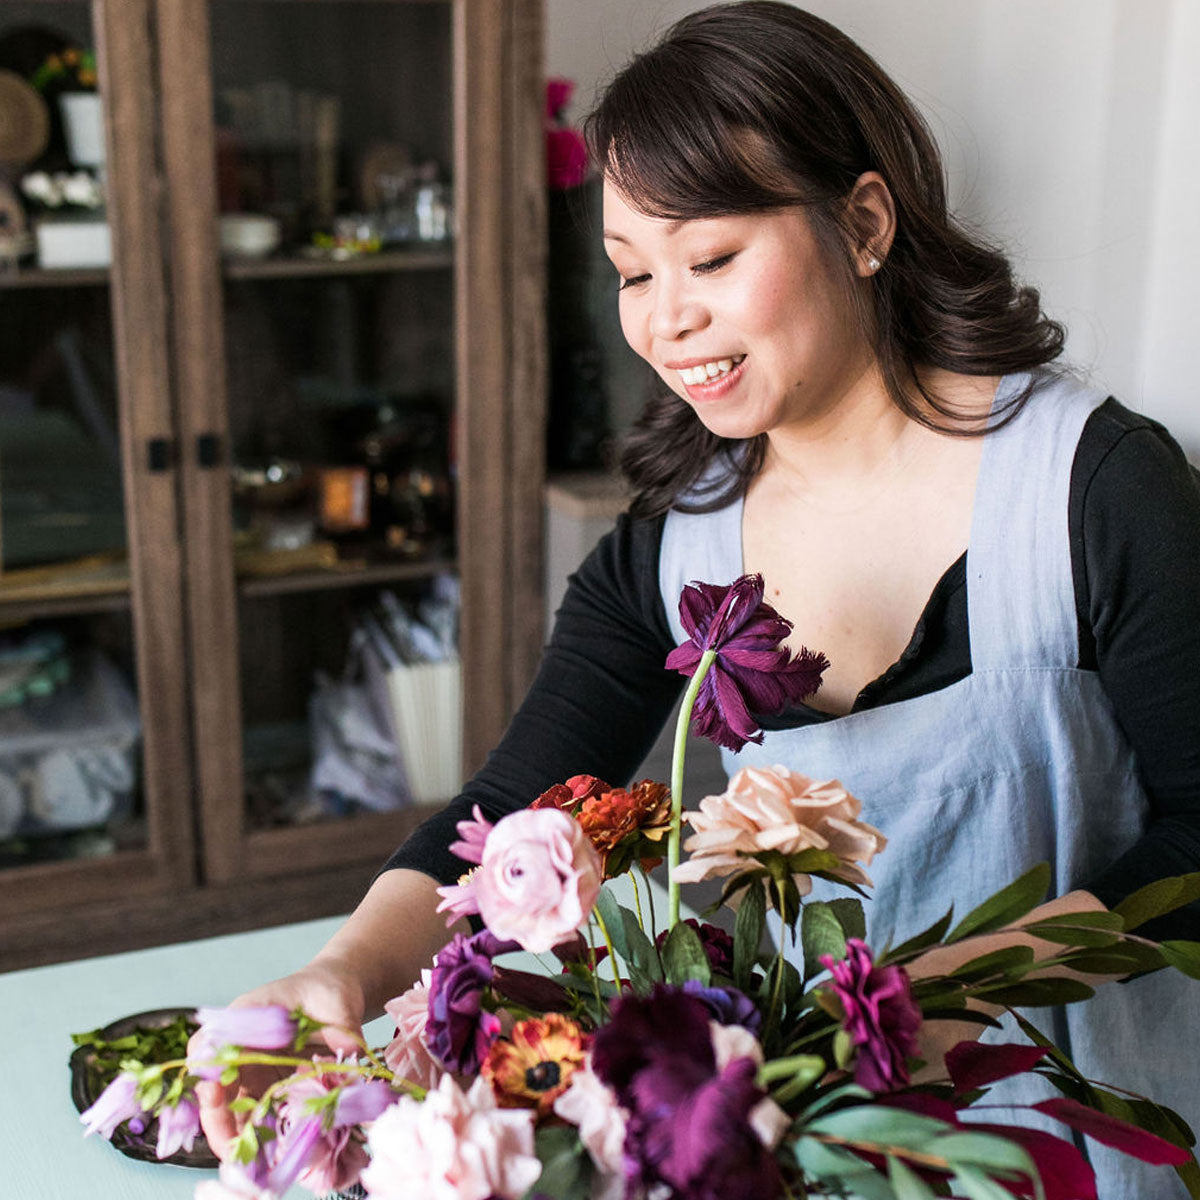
177, 1128
261, 1027
362, 1101
881, 1016
118, 1102
689, 1125
751, 672
460, 1030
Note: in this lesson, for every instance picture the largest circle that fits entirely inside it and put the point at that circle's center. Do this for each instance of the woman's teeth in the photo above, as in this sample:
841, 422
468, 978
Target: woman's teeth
709, 370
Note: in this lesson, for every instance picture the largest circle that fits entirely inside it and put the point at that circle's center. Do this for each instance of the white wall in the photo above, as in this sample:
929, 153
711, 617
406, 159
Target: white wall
1069, 131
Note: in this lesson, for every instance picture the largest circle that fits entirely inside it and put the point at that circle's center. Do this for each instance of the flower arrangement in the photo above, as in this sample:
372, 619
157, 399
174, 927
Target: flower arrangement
685, 1062
70, 70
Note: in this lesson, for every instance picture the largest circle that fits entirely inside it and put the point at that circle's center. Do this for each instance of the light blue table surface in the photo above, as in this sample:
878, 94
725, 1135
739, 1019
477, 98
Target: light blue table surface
44, 1153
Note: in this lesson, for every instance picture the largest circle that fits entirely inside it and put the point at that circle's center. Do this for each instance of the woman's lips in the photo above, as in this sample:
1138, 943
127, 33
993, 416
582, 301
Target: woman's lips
714, 389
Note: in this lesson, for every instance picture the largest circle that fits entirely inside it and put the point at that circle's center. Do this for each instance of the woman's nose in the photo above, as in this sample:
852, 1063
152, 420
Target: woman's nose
675, 313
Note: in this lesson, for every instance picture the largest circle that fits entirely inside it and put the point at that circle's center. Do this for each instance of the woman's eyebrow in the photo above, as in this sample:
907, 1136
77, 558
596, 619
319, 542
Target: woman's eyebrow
611, 235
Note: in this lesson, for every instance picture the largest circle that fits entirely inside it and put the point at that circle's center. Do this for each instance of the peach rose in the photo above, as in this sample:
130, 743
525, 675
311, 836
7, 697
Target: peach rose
777, 809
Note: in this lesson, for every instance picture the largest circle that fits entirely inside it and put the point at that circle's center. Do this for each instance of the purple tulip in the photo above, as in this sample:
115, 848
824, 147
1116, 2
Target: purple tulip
118, 1102
688, 1124
177, 1128
460, 1030
752, 673
881, 1016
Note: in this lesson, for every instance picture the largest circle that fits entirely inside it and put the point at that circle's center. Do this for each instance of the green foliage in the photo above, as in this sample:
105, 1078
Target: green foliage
747, 936
1155, 899
684, 958
566, 1168
821, 933
922, 941
906, 1183
1183, 956
1007, 905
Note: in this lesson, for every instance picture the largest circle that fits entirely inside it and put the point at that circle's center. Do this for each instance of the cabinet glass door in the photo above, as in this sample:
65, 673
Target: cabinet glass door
81, 764
335, 230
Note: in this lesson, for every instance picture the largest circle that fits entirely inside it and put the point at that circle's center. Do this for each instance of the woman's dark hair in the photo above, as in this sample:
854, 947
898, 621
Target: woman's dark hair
752, 106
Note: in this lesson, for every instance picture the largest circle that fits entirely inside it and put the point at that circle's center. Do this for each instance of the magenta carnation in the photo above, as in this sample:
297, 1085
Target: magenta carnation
881, 1016
752, 672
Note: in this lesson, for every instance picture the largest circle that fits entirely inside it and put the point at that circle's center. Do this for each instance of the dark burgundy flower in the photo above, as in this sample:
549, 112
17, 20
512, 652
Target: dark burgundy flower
570, 795
752, 673
688, 1122
727, 1005
718, 945
460, 1030
881, 1016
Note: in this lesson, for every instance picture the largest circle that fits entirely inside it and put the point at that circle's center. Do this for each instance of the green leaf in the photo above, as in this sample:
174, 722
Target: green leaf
566, 1170
881, 1125
229, 1076
969, 1016
999, 962
809, 1067
983, 1150
1161, 896
922, 941
906, 1183
977, 1186
820, 933
1102, 919
845, 1091
843, 1049
1183, 956
642, 957
1007, 905
684, 958
849, 913
1033, 993
829, 1162
242, 1104
747, 935
1128, 958
614, 922
1189, 1173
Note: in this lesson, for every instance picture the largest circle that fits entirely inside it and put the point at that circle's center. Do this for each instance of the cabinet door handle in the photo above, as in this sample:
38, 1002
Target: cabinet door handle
158, 454
208, 450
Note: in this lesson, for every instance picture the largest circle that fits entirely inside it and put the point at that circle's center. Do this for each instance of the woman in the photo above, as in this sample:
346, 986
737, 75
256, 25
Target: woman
999, 563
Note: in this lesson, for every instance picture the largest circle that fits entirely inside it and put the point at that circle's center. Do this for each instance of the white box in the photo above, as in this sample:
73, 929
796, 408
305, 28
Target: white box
80, 243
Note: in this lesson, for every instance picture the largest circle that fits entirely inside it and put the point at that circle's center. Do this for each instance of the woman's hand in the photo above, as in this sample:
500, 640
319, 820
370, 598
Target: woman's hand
329, 991
938, 1037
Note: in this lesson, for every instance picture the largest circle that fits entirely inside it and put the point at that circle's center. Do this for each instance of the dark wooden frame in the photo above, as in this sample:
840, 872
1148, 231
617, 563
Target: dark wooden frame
226, 878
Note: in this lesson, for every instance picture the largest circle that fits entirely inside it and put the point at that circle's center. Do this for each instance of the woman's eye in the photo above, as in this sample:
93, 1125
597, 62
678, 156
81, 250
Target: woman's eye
713, 264
632, 281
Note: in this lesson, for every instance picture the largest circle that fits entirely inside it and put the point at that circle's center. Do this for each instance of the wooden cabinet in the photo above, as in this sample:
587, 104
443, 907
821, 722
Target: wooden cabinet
249, 399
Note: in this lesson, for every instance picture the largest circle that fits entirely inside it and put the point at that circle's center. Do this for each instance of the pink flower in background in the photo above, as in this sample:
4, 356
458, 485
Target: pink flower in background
591, 1105
881, 1016
452, 1146
118, 1102
408, 1054
458, 899
777, 809
539, 878
566, 153
753, 672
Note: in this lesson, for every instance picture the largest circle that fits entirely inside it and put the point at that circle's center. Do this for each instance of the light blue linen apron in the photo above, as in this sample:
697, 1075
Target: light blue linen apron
1022, 761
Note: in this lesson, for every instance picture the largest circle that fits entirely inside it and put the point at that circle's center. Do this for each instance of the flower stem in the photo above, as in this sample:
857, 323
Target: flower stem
772, 1011
650, 900
637, 900
612, 954
681, 731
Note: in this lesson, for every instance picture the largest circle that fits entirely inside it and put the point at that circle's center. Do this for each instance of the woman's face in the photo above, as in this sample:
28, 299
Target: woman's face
739, 315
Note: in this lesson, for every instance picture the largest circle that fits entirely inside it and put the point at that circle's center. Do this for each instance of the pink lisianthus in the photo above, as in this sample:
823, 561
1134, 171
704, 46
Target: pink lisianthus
591, 1105
452, 1146
408, 1054
776, 809
539, 878
881, 1016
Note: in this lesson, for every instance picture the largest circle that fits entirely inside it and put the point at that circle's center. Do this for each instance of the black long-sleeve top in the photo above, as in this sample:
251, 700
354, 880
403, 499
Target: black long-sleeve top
602, 694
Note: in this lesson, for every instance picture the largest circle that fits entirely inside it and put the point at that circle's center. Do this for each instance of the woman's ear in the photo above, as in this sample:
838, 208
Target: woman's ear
870, 217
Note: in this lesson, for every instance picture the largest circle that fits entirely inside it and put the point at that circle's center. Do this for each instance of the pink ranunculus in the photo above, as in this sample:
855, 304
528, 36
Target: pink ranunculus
407, 1054
777, 809
452, 1146
591, 1106
539, 878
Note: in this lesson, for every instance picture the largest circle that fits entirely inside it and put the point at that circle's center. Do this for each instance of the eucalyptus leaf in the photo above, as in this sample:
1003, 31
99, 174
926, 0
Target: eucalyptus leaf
1072, 935
983, 1150
1007, 905
968, 1016
922, 941
1034, 993
1183, 956
1161, 896
747, 935
1126, 959
826, 1162
845, 1091
684, 957
906, 1183
880, 1125
821, 933
998, 962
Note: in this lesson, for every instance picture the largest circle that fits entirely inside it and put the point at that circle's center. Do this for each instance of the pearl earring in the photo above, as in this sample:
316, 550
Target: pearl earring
873, 263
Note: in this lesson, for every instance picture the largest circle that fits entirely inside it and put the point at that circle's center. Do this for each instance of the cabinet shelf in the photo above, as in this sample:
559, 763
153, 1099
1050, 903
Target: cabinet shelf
382, 263
349, 576
56, 277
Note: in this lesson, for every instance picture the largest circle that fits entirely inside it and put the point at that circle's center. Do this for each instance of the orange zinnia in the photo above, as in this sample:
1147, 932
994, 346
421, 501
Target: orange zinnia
615, 817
